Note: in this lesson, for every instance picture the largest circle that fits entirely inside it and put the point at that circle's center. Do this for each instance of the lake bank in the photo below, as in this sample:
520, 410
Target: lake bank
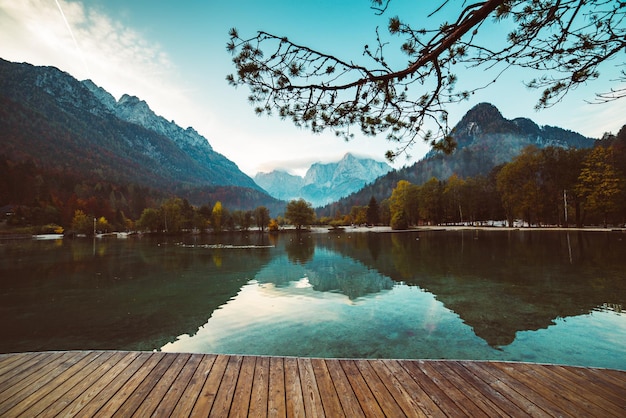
387, 229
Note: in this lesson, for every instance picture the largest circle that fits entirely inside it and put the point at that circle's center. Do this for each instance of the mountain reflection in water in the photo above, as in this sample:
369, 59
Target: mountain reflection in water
516, 295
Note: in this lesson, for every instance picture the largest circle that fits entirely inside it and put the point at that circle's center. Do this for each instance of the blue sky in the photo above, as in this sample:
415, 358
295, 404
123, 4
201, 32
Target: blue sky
173, 56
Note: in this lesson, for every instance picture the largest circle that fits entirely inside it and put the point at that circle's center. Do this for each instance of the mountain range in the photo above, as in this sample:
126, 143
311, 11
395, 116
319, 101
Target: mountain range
60, 123
323, 183
485, 139
76, 128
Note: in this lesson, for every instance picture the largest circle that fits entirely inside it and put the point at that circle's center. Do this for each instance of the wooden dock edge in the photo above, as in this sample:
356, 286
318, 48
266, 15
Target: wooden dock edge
127, 383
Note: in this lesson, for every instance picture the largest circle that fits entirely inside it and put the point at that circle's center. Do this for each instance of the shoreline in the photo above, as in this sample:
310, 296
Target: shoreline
349, 229
444, 228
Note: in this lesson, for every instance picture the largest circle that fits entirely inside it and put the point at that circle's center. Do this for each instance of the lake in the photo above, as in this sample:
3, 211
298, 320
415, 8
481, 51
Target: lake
523, 295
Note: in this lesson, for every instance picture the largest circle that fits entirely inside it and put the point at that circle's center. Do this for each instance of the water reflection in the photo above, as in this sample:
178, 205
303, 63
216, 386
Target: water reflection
518, 295
132, 294
329, 271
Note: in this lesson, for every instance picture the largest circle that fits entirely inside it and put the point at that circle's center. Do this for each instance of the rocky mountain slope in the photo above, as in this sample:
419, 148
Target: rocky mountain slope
323, 182
485, 140
60, 123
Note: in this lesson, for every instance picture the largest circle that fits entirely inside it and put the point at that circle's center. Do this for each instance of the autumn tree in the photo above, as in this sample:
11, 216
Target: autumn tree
600, 184
150, 220
216, 216
273, 226
173, 215
519, 184
102, 225
300, 213
564, 43
404, 205
82, 224
430, 201
358, 215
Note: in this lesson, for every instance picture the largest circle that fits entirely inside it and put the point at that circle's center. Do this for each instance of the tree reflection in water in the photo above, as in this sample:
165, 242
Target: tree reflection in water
473, 293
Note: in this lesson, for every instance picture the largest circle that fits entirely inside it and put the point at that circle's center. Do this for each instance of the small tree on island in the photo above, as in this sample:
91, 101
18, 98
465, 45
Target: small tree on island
300, 212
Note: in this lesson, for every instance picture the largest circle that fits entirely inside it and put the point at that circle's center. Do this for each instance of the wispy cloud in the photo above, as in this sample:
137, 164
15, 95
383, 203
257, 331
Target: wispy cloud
69, 29
87, 43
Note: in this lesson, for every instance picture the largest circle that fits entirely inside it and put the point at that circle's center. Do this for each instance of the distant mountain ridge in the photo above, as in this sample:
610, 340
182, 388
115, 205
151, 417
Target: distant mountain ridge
323, 182
62, 123
485, 139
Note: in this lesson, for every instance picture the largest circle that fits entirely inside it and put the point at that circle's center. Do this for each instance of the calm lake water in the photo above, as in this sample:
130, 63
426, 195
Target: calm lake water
538, 296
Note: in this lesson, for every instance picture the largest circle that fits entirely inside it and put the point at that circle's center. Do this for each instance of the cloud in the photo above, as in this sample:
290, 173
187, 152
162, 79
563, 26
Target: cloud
114, 56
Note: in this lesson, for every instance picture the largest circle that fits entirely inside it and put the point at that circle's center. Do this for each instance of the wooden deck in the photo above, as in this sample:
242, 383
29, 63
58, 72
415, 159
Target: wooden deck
107, 383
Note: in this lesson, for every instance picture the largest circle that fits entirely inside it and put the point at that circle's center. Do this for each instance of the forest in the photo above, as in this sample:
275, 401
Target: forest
540, 187
549, 186
38, 200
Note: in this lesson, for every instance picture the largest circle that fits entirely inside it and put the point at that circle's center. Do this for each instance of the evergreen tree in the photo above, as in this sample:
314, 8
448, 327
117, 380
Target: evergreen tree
373, 215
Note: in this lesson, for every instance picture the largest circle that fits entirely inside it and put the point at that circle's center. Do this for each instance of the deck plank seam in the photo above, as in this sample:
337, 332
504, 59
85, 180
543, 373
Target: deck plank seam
91, 382
558, 388
92, 361
525, 404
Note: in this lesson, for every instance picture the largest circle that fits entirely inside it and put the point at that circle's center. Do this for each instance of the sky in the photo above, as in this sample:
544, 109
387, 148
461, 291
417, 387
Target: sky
173, 55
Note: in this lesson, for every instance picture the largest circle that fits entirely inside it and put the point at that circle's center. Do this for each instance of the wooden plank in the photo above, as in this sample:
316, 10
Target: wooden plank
474, 393
34, 381
386, 402
155, 392
328, 392
366, 398
604, 377
423, 399
243, 391
76, 398
13, 362
410, 407
177, 387
226, 391
22, 371
457, 395
349, 402
533, 390
123, 383
547, 389
276, 402
40, 400
100, 392
310, 392
596, 380
583, 388
118, 391
293, 389
505, 388
127, 405
585, 400
438, 396
260, 388
488, 392
190, 395
616, 376
205, 400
